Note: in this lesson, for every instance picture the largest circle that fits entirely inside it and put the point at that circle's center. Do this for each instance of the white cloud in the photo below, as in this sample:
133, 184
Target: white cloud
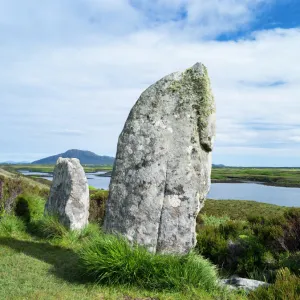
295, 139
89, 84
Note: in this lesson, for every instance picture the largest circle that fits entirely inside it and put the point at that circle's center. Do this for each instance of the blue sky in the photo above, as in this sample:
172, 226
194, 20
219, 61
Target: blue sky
72, 69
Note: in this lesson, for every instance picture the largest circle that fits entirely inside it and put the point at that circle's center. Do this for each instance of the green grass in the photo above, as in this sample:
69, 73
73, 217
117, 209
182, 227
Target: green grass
29, 207
240, 209
112, 260
49, 228
50, 168
49, 266
41, 259
286, 287
271, 176
11, 225
37, 270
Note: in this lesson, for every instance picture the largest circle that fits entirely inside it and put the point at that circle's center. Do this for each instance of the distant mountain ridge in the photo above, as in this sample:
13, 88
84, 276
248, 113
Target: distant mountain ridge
11, 162
218, 166
85, 157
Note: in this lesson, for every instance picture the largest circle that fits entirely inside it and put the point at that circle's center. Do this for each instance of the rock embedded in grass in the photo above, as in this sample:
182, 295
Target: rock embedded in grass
163, 163
69, 194
242, 283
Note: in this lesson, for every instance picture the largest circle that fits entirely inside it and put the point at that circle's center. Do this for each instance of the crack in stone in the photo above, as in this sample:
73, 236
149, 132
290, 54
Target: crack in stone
161, 211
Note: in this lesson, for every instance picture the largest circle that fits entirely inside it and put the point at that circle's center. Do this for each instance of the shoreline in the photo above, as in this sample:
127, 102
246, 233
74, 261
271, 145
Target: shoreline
108, 175
256, 182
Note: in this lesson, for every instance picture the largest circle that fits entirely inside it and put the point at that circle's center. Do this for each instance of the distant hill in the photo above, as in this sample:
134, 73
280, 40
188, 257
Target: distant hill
10, 162
85, 157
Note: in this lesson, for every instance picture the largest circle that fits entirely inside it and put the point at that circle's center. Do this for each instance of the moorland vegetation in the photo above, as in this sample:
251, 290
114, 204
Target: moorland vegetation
41, 259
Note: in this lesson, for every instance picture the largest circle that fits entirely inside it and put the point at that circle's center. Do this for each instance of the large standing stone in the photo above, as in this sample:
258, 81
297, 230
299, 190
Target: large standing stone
69, 194
163, 163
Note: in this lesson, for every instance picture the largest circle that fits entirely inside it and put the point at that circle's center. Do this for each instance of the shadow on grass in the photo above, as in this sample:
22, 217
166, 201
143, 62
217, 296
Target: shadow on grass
64, 261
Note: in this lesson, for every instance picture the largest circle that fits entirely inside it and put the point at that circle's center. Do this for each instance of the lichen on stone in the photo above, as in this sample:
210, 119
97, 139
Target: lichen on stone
193, 83
175, 86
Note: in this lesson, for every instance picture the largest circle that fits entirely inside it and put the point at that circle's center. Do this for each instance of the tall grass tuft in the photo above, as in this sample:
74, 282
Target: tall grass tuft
286, 287
48, 227
74, 238
112, 260
11, 225
30, 207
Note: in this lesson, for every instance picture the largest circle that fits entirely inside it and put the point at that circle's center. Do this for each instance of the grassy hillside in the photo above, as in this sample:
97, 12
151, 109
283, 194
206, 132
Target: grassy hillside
13, 184
40, 259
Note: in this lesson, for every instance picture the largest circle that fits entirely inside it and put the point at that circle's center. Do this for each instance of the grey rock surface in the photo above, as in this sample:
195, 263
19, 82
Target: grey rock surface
69, 194
242, 283
162, 169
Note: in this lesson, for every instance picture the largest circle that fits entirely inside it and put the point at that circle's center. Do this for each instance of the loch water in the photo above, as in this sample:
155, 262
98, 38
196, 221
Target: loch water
282, 196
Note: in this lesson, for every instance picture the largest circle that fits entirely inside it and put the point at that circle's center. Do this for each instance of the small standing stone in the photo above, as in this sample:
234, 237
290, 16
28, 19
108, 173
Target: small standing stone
69, 194
162, 169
